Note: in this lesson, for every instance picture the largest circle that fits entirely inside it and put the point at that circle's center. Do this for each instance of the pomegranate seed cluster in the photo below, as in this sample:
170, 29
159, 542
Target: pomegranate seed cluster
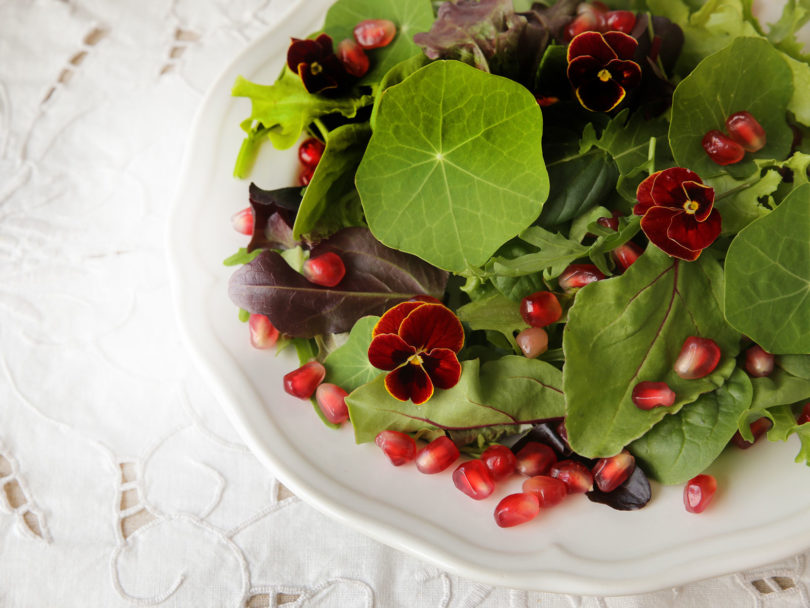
745, 134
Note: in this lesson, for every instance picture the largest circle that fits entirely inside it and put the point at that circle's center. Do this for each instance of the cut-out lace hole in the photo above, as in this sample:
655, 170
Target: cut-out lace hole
260, 600
5, 467
784, 582
94, 36
286, 598
14, 494
65, 76
129, 472
129, 498
283, 492
182, 35
32, 521
137, 520
176, 52
77, 59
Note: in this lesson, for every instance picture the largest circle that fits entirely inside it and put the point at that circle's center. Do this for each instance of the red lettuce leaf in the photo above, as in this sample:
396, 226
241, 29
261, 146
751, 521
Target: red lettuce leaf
273, 217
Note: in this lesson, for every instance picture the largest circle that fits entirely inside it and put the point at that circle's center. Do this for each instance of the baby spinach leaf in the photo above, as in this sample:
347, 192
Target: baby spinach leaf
749, 75
512, 390
495, 312
577, 183
348, 365
630, 329
684, 444
454, 168
767, 294
795, 365
779, 388
409, 16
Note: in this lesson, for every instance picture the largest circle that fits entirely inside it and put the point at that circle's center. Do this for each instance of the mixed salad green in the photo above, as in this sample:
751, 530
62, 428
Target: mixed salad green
466, 166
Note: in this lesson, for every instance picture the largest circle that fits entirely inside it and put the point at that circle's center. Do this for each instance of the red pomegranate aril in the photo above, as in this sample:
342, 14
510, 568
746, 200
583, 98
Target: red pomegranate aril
332, 401
743, 128
804, 415
577, 478
436, 456
473, 478
263, 333
609, 222
758, 427
578, 275
353, 57
500, 461
516, 509
625, 255
584, 22
758, 362
620, 21
540, 309
532, 341
310, 152
398, 447
242, 221
549, 491
327, 269
303, 381
698, 493
305, 175
535, 458
610, 473
374, 33
698, 358
647, 395
722, 149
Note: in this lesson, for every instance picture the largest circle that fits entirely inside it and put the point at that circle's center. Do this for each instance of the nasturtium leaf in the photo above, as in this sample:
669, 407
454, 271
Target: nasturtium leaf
767, 295
510, 391
749, 75
630, 329
684, 444
454, 168
494, 312
409, 17
348, 365
330, 201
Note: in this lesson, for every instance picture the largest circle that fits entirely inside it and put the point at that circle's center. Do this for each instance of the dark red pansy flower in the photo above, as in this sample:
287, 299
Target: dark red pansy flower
316, 63
601, 70
417, 343
678, 212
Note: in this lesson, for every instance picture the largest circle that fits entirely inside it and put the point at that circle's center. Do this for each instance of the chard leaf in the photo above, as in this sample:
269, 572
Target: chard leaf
330, 200
348, 365
684, 444
494, 312
509, 391
767, 295
630, 329
454, 168
376, 278
749, 75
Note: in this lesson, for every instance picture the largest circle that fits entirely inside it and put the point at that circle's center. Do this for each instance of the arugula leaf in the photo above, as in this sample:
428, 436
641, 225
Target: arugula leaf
767, 293
495, 312
243, 256
630, 329
454, 168
348, 365
509, 391
684, 444
555, 253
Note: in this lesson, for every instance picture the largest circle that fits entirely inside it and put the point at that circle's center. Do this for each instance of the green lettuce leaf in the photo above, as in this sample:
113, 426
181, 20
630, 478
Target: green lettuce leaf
348, 365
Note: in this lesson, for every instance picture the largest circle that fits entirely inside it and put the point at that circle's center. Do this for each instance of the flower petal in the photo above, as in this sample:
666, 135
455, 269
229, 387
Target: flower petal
701, 194
624, 45
432, 326
442, 365
389, 351
694, 235
644, 194
593, 44
392, 318
655, 225
302, 51
409, 382
667, 190
583, 69
325, 42
599, 96
626, 73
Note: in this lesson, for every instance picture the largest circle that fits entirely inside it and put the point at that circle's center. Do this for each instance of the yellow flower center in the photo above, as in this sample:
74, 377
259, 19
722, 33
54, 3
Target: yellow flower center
604, 75
691, 207
415, 360
315, 68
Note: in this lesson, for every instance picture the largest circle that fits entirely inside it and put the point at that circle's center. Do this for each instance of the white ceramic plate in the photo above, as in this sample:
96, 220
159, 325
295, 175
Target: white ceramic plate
759, 514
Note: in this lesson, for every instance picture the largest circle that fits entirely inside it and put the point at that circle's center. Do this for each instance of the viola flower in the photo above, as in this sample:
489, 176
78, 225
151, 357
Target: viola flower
316, 63
601, 69
678, 212
417, 343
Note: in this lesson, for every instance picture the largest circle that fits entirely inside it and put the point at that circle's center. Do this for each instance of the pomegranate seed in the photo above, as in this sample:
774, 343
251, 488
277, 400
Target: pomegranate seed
804, 416
516, 509
540, 309
242, 221
563, 432
698, 358
626, 255
698, 493
262, 332
500, 461
353, 57
310, 152
436, 456
374, 33
576, 476
609, 222
610, 473
305, 176
332, 401
398, 447
620, 21
758, 363
546, 101
303, 381
535, 459
577, 276
758, 427
549, 491
584, 22
746, 131
722, 149
473, 478
647, 395
532, 341
326, 269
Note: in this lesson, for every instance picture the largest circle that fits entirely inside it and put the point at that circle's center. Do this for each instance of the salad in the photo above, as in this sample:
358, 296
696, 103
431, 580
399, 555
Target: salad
568, 240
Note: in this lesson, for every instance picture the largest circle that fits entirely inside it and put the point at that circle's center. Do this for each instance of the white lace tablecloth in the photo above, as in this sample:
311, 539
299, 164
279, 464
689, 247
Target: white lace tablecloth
121, 481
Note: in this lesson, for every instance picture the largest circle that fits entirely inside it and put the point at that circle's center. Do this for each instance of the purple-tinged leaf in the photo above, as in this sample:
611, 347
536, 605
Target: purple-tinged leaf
633, 494
273, 217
